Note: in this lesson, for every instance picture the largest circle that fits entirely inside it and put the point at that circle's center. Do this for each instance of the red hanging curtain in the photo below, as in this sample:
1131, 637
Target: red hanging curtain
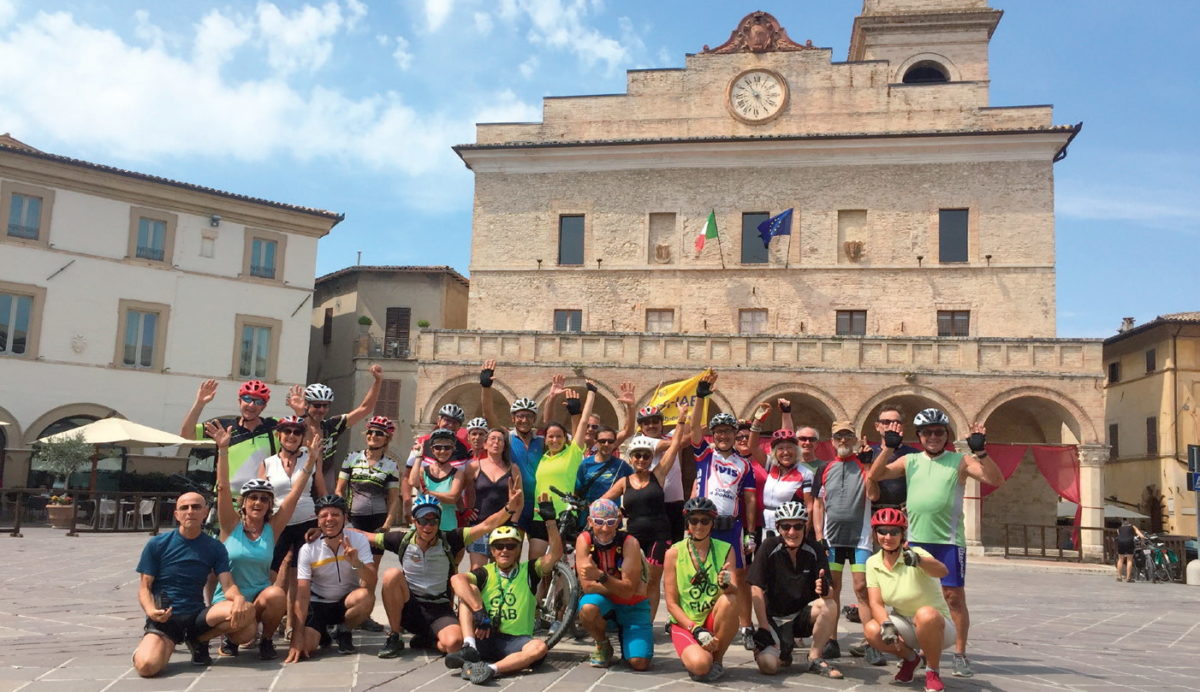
1007, 457
1060, 468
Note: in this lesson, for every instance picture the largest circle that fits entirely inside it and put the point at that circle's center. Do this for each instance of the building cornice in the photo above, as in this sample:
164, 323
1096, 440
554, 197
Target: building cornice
784, 151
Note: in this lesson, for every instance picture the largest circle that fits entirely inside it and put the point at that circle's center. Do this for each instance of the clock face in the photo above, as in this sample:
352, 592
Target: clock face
756, 96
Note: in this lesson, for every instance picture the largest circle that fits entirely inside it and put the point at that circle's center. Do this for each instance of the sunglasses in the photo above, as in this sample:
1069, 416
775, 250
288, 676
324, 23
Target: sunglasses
887, 421
429, 520
805, 438
788, 528
318, 404
253, 400
506, 546
524, 416
442, 448
888, 531
700, 521
640, 455
188, 508
742, 437
605, 442
593, 427
933, 432
290, 431
604, 522
257, 497
844, 436
373, 433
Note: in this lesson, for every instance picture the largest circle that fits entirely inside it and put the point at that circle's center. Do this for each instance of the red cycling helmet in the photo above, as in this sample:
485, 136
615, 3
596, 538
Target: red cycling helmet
889, 517
781, 436
255, 388
648, 412
295, 422
382, 423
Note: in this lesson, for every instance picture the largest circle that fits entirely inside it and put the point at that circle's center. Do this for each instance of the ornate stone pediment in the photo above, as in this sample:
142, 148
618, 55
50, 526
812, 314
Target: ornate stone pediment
758, 32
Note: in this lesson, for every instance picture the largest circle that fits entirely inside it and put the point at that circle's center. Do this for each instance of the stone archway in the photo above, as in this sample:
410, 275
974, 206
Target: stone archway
1042, 409
464, 391
606, 407
811, 407
910, 399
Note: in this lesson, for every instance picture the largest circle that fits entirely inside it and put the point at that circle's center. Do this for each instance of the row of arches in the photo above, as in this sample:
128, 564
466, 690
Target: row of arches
110, 464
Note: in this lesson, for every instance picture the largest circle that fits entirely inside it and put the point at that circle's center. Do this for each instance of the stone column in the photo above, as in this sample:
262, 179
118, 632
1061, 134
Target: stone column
972, 510
1091, 498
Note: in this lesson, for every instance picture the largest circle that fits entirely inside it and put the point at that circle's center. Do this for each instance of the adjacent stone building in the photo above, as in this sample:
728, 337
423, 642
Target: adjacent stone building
920, 267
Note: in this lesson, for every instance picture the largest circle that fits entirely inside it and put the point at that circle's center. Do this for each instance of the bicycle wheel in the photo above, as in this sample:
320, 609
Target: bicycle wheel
1161, 573
561, 603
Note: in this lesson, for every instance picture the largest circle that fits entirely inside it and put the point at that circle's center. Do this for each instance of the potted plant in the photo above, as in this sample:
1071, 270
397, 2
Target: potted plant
63, 458
422, 323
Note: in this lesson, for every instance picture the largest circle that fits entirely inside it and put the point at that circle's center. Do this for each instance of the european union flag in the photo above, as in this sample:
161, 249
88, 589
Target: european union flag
776, 225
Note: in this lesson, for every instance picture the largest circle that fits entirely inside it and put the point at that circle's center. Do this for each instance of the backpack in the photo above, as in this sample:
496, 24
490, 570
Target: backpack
619, 541
408, 538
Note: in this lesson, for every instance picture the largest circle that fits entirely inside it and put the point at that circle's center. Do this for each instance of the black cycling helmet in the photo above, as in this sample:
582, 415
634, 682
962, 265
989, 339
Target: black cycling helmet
331, 501
442, 434
700, 504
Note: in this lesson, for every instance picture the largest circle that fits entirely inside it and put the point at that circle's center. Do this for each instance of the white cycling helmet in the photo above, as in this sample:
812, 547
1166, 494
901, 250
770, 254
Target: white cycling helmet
452, 411
931, 416
258, 485
523, 404
318, 392
643, 443
791, 510
477, 423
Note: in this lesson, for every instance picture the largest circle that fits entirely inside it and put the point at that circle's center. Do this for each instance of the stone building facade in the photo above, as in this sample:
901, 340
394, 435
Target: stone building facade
920, 267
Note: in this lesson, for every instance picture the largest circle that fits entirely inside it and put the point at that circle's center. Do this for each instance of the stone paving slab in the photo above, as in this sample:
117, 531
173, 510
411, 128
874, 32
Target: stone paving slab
69, 621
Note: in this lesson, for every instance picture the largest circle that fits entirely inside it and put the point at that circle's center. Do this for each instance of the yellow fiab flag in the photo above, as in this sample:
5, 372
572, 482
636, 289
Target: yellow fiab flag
668, 397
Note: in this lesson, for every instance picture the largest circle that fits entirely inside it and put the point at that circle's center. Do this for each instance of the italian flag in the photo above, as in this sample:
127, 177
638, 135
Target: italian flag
709, 231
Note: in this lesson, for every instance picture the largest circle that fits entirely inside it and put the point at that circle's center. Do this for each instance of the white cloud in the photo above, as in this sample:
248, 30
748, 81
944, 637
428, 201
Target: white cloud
147, 31
109, 97
401, 55
528, 67
483, 23
8, 10
301, 40
1150, 208
436, 13
563, 25
383, 39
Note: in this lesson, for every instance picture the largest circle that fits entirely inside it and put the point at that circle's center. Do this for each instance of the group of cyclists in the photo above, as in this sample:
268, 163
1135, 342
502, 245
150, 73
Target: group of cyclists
751, 553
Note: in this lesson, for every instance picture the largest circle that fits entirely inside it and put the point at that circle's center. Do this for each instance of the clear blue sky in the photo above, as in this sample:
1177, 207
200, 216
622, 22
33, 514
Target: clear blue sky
352, 106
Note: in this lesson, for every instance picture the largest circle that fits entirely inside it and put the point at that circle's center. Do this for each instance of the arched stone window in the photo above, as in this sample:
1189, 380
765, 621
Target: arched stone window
926, 72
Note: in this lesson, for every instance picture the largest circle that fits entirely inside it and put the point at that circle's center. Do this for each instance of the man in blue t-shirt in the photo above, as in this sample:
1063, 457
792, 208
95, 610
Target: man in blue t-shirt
174, 568
600, 471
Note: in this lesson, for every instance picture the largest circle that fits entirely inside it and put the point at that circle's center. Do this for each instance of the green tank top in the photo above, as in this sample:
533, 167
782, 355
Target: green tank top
697, 596
509, 600
935, 498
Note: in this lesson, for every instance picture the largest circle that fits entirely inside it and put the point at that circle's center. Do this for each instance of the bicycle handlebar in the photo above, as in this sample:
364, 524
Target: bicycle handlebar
569, 498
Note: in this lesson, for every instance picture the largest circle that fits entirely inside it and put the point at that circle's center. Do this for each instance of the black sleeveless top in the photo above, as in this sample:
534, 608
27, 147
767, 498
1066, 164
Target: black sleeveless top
490, 496
646, 510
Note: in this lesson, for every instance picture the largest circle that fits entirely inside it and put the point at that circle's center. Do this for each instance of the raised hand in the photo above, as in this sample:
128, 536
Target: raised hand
821, 586
487, 373
785, 405
218, 434
349, 550
377, 371
208, 390
558, 383
760, 413
295, 399
708, 384
626, 396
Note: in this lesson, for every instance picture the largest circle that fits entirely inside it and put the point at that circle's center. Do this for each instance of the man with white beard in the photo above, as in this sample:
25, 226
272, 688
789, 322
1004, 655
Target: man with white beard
842, 496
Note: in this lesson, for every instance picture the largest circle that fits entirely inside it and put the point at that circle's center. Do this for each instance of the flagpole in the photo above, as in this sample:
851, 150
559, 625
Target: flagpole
788, 256
720, 248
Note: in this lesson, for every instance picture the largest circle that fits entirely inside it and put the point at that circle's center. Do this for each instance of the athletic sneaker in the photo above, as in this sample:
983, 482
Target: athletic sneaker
748, 638
266, 649
392, 647
933, 681
465, 655
200, 655
227, 648
873, 657
345, 641
832, 649
715, 673
907, 668
962, 667
369, 625
602, 656
325, 639
478, 672
859, 648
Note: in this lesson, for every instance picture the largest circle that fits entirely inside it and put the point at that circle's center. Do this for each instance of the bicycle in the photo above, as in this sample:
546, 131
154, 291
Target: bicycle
1165, 563
561, 603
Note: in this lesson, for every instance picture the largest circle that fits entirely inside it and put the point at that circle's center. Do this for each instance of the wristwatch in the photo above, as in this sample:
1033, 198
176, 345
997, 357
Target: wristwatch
602, 578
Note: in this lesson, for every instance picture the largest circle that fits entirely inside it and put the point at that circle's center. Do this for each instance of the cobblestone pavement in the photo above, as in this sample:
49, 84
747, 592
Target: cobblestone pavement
69, 620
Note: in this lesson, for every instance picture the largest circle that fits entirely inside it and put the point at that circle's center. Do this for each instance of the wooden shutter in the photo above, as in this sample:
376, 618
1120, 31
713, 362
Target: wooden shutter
389, 399
327, 327
396, 333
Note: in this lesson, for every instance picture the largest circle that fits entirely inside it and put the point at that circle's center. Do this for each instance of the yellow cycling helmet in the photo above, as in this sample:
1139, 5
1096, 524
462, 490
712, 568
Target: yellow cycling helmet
506, 533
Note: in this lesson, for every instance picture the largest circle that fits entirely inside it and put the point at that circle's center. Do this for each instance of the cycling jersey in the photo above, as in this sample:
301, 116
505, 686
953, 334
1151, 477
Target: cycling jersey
697, 583
331, 431
369, 482
331, 576
558, 470
282, 481
935, 498
459, 457
780, 484
610, 559
842, 485
247, 448
722, 477
511, 600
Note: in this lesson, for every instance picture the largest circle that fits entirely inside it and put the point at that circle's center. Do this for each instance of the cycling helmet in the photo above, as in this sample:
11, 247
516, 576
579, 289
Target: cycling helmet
642, 443
255, 388
648, 412
442, 434
330, 501
290, 422
781, 436
382, 423
477, 423
523, 405
317, 393
700, 504
510, 533
791, 510
453, 411
424, 503
890, 517
931, 416
258, 485
722, 419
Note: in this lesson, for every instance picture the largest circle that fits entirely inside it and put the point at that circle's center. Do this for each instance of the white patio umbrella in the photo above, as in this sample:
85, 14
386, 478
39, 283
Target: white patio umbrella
118, 431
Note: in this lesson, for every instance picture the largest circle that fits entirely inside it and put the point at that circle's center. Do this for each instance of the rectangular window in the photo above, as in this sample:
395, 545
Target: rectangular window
262, 258
396, 332
1114, 372
568, 320
140, 328
1152, 435
1151, 360
954, 322
1113, 441
388, 403
570, 240
256, 347
152, 238
752, 321
660, 320
952, 235
327, 327
25, 212
851, 323
753, 250
16, 316
24, 216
